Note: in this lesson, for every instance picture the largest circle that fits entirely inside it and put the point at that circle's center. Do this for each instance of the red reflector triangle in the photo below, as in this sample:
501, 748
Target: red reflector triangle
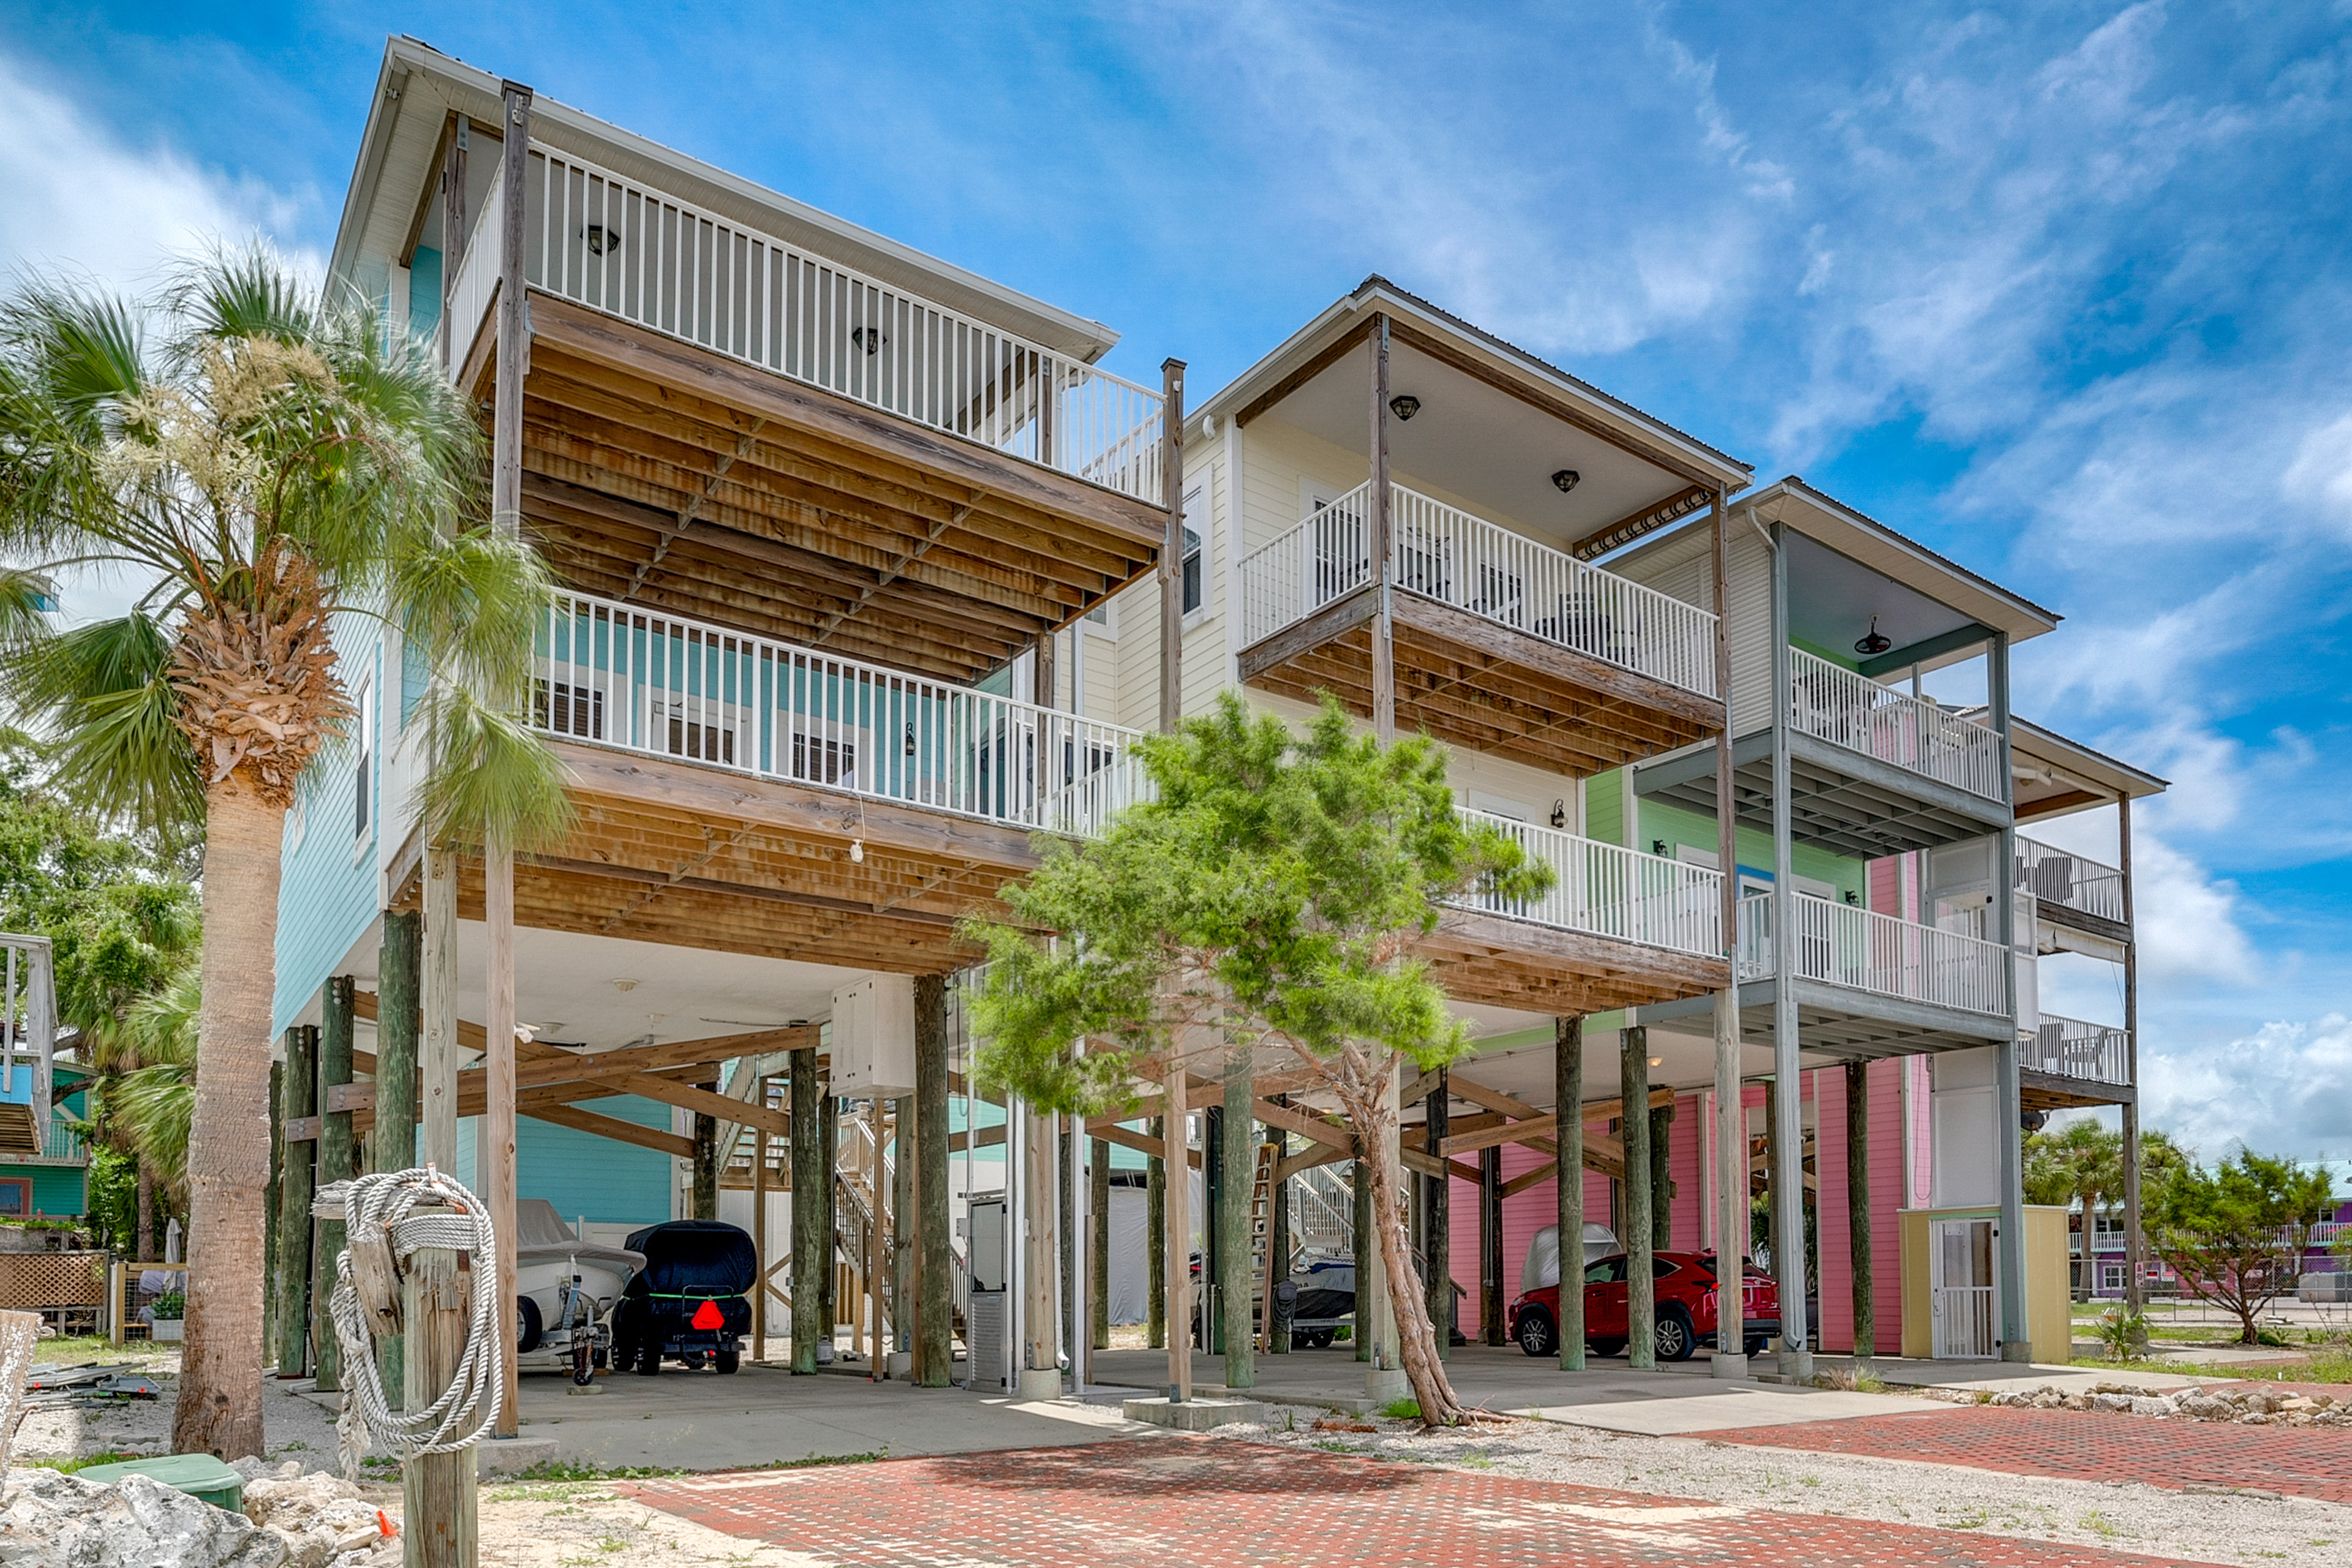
708, 1316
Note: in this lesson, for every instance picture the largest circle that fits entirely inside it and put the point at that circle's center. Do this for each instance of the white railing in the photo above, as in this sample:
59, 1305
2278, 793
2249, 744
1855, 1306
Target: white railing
2072, 881
1606, 889
622, 675
475, 281
2072, 1049
632, 252
1858, 713
1846, 945
1444, 554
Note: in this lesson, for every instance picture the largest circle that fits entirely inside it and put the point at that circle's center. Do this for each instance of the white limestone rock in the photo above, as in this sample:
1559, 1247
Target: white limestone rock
55, 1521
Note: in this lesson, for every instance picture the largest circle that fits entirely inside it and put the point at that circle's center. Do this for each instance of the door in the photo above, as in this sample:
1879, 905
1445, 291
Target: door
1961, 1289
987, 1318
1605, 1300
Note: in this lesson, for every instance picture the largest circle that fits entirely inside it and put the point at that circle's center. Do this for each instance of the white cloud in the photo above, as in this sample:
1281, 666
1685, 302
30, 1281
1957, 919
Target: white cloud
2286, 1089
83, 203
2321, 474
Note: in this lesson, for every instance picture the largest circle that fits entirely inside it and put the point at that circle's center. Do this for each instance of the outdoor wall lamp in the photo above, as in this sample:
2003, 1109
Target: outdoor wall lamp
1657, 846
1566, 479
1404, 405
868, 338
1559, 814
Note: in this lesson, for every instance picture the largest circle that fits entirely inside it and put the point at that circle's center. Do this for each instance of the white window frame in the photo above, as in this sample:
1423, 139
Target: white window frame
363, 800
1195, 530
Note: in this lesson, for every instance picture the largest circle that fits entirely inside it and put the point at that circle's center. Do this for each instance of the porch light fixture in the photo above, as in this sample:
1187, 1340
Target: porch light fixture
599, 237
1657, 1061
1559, 814
1566, 479
1657, 846
911, 737
870, 339
1874, 642
1404, 405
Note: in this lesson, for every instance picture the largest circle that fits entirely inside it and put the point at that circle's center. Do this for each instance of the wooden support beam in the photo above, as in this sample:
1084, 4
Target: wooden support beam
612, 1127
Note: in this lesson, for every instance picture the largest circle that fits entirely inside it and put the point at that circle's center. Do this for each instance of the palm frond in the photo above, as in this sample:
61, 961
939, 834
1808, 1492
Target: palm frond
103, 691
246, 292
494, 781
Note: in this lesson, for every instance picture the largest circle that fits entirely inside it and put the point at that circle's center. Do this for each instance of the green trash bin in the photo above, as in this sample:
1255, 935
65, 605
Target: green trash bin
199, 1475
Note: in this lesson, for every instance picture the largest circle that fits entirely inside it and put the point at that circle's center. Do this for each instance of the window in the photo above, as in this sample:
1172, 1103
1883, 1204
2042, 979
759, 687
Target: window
1608, 1272
1191, 564
15, 1197
363, 773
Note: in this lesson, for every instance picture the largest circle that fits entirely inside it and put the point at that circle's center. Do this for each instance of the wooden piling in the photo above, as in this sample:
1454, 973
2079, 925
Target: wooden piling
297, 1101
812, 1242
335, 1164
935, 1277
1568, 1104
1641, 1287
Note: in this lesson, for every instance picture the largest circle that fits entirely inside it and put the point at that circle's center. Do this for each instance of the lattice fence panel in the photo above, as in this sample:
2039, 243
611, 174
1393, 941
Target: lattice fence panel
32, 1280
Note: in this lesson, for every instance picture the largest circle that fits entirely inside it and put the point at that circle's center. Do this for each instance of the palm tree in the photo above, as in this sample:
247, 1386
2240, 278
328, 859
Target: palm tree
271, 464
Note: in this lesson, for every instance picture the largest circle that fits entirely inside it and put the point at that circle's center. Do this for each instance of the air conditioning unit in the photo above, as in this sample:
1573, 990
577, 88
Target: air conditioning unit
874, 1038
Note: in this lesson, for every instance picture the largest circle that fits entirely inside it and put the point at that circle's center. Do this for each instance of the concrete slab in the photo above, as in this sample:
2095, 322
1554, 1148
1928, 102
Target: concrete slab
1997, 1376
1730, 1408
1196, 1415
511, 1456
762, 1415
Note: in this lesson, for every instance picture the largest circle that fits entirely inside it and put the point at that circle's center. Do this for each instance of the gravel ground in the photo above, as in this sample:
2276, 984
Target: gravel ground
2118, 1516
579, 1523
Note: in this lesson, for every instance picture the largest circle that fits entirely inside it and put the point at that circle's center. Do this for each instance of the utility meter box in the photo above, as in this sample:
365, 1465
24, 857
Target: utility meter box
873, 1037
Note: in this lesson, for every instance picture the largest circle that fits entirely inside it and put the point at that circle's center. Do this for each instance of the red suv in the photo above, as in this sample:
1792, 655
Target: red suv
1685, 1301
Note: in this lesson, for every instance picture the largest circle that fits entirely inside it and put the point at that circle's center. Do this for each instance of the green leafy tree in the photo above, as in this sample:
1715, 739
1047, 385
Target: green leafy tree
121, 920
264, 464
2236, 1233
1267, 899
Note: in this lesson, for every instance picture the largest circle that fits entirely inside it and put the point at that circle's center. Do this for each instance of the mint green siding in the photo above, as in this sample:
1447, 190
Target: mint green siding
327, 891
581, 1173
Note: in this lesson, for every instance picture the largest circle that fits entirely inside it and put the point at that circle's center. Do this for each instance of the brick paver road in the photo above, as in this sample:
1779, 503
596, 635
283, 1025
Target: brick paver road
1197, 1502
2088, 1444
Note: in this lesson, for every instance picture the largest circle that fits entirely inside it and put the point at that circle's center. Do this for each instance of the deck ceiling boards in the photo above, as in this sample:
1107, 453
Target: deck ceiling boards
1858, 1035
699, 857
661, 473
1506, 693
1830, 808
2049, 1091
1501, 963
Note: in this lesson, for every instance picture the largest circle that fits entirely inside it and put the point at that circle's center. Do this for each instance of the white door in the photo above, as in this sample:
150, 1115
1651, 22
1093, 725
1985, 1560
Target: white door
1961, 1288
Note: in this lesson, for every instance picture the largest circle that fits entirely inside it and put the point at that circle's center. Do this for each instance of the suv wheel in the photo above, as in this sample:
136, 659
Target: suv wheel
1674, 1338
1535, 1335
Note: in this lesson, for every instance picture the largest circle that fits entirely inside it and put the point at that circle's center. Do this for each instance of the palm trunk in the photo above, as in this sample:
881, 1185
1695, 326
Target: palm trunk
219, 1409
1367, 1106
143, 1240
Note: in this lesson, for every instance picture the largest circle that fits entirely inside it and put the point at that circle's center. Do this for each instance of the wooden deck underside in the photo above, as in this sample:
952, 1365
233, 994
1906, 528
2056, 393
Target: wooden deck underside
676, 478
691, 856
1503, 962
1465, 680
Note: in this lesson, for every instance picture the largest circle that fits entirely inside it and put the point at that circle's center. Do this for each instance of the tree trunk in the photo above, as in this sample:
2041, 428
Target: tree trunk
219, 1408
142, 1245
1367, 1106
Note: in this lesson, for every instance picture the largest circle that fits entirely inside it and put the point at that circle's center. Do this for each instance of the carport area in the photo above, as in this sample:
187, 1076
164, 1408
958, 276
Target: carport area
763, 1415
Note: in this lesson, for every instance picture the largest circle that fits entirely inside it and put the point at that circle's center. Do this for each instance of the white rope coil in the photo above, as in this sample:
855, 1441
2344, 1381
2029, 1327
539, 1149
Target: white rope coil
467, 1409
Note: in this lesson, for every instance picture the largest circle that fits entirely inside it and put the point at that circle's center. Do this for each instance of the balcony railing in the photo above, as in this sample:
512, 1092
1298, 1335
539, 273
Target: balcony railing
622, 675
1855, 711
648, 257
1448, 555
1866, 951
1609, 890
2069, 1047
2070, 881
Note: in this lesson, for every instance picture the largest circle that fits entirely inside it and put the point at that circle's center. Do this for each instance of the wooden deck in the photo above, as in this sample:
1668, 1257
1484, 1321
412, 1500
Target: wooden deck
1504, 963
663, 474
1475, 683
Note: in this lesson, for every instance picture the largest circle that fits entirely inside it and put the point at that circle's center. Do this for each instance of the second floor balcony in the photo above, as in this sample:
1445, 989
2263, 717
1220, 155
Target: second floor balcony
2071, 1048
1503, 644
1864, 951
1849, 710
622, 675
2071, 888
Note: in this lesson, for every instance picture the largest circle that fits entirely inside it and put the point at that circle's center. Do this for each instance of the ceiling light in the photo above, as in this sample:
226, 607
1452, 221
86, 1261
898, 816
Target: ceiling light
1404, 405
1566, 479
1874, 642
1657, 1061
600, 238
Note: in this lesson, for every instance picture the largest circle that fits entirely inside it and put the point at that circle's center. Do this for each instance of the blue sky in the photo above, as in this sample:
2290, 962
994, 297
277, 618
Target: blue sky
2059, 289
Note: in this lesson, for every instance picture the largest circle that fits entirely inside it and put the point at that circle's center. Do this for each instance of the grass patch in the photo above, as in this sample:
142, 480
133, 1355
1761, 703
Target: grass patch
80, 1349
71, 1463
561, 1472
1406, 1409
